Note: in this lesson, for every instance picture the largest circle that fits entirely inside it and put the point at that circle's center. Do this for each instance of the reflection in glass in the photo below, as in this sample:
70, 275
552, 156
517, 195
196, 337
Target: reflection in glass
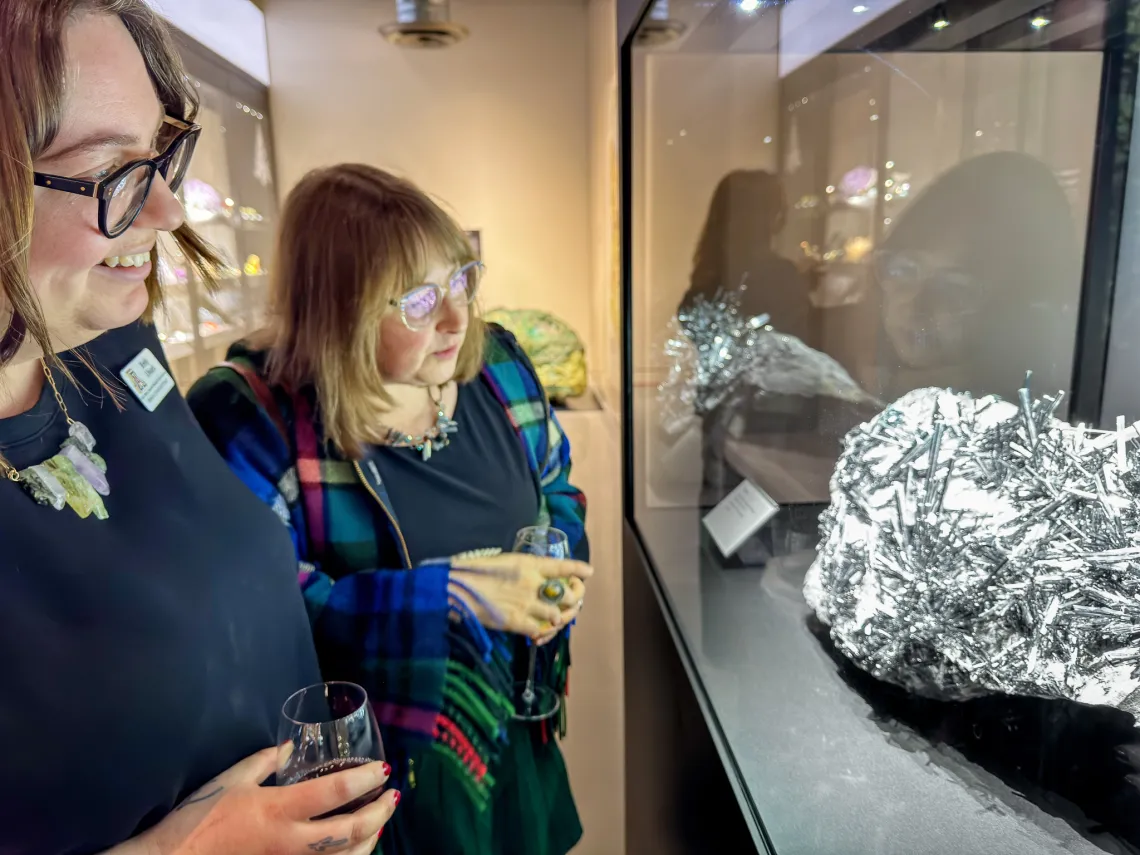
978, 282
907, 191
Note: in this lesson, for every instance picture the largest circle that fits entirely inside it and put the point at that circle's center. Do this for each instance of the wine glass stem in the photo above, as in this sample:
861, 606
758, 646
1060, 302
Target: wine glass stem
528, 692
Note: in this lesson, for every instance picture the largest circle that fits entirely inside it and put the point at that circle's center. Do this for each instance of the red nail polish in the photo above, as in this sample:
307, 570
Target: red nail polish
387, 769
396, 799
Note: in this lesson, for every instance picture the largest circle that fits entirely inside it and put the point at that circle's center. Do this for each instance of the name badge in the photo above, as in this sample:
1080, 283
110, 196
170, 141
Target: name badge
147, 379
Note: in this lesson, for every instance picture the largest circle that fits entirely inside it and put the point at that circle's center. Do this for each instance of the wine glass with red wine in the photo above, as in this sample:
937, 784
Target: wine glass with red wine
324, 729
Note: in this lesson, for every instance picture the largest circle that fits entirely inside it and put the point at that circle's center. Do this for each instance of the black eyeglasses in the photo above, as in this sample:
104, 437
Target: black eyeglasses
122, 195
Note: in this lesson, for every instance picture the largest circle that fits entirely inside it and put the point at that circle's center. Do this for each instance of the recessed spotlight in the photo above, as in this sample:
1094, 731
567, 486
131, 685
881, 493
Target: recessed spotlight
890, 164
1040, 22
767, 140
940, 24
860, 9
874, 117
978, 133
749, 5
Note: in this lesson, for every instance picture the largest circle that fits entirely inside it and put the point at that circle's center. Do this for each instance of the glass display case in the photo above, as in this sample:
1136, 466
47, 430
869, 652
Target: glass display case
828, 206
230, 198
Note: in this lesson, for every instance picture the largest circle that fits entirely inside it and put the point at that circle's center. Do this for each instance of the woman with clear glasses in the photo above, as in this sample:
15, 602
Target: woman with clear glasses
389, 427
150, 626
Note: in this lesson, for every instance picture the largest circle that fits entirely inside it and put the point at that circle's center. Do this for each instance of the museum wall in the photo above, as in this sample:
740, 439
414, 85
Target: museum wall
497, 127
605, 201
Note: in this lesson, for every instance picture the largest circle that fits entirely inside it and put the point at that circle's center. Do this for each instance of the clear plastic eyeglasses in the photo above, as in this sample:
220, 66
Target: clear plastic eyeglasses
420, 306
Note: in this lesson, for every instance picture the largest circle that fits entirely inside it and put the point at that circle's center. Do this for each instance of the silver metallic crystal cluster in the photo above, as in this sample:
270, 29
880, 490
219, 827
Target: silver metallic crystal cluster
718, 354
975, 547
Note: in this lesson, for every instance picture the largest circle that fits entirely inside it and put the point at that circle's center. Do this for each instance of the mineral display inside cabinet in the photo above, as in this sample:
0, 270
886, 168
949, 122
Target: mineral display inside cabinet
557, 352
977, 547
718, 354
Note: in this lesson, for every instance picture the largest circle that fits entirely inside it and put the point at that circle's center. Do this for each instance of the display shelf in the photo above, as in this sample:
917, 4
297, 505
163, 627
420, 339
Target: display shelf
231, 176
829, 762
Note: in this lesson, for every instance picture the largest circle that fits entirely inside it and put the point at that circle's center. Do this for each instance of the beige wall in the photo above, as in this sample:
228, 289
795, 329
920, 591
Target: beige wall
497, 127
605, 200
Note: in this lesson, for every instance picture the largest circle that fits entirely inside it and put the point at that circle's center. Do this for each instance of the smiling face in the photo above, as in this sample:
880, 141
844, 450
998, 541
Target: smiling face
426, 357
86, 283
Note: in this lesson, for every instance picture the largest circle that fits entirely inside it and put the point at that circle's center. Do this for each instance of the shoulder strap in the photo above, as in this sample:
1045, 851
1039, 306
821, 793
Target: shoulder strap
264, 396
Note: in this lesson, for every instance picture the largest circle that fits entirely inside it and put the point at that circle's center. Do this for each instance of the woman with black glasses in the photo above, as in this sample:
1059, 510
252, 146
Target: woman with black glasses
150, 623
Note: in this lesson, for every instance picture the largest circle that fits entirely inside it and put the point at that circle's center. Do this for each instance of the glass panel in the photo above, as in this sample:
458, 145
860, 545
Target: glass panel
898, 194
229, 196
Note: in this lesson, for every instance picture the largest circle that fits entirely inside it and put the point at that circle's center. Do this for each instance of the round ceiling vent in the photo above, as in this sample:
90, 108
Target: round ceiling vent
657, 32
424, 24
658, 28
424, 35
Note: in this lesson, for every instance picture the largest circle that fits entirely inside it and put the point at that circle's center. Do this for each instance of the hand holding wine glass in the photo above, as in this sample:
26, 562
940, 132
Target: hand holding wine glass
510, 582
535, 702
235, 815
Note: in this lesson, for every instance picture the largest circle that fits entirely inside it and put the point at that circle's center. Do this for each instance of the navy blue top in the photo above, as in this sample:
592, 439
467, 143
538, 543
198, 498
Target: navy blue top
474, 494
141, 655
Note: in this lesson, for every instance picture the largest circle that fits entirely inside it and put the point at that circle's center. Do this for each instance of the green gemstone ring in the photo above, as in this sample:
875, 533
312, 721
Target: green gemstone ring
553, 591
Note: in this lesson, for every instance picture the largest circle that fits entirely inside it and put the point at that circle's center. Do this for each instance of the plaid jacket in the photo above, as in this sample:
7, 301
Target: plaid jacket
434, 674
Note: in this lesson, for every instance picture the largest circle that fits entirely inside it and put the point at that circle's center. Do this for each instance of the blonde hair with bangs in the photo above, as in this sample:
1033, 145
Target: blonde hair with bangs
353, 238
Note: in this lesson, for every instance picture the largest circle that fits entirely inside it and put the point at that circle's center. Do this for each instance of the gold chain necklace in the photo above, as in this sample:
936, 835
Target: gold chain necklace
75, 477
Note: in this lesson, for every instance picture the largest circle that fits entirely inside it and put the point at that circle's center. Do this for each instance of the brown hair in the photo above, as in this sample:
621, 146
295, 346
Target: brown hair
33, 83
352, 239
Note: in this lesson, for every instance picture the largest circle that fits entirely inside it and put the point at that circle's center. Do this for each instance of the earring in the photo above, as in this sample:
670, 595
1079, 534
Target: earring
13, 337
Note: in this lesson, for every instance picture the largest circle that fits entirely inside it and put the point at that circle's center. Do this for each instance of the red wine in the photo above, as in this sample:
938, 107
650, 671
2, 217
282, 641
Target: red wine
331, 767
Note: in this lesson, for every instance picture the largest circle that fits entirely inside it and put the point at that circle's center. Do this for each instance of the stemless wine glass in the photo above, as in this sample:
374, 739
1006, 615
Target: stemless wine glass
538, 703
324, 729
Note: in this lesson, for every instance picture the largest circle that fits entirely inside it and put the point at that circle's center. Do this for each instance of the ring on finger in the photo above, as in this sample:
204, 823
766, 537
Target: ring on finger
553, 591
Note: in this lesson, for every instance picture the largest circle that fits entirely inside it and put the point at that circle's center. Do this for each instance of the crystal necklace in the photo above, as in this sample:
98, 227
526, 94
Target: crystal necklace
76, 477
436, 437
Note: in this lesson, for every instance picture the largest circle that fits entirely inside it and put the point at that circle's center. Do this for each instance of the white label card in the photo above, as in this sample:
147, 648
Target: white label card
147, 379
738, 516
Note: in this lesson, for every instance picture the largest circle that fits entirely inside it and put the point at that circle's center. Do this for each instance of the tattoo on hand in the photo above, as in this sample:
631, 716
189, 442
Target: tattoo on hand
327, 844
203, 795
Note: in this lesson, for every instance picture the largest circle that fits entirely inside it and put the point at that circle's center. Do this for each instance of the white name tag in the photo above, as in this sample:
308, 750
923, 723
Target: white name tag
739, 515
147, 379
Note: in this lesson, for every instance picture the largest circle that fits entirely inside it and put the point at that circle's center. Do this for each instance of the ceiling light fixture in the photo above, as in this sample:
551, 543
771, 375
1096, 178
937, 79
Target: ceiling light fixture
749, 5
1040, 22
860, 9
941, 18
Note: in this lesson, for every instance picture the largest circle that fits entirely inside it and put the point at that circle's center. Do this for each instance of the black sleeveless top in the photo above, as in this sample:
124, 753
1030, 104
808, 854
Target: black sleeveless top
143, 654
